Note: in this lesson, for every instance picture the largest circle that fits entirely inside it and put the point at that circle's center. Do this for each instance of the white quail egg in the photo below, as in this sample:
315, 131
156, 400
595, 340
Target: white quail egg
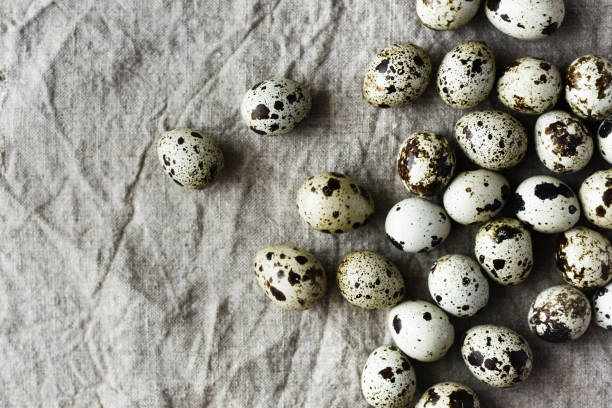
275, 106
504, 249
388, 379
584, 258
291, 277
466, 74
458, 286
476, 196
397, 75
417, 225
596, 198
546, 204
559, 314
493, 140
421, 330
604, 139
189, 157
425, 163
588, 88
526, 19
334, 203
602, 307
530, 85
563, 143
369, 280
446, 14
496, 355
448, 395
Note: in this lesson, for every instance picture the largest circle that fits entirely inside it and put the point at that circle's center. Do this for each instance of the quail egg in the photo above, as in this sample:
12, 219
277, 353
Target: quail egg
466, 74
189, 157
425, 163
504, 250
458, 286
530, 85
275, 106
334, 203
496, 355
526, 19
446, 14
588, 88
559, 314
291, 277
546, 204
476, 196
369, 280
563, 143
493, 140
584, 258
388, 379
602, 307
596, 198
448, 395
417, 225
421, 330
604, 139
397, 75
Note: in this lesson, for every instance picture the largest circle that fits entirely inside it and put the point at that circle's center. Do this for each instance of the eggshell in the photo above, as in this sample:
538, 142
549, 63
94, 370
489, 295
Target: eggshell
604, 139
602, 307
526, 19
588, 89
448, 395
446, 14
596, 198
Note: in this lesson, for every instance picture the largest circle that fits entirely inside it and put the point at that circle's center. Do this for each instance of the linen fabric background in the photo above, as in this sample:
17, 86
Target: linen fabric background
120, 289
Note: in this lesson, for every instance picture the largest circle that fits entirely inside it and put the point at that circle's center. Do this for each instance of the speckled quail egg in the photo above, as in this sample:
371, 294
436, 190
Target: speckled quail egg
504, 250
602, 307
526, 19
446, 14
493, 140
466, 74
417, 225
291, 277
334, 203
369, 280
563, 143
189, 157
530, 85
476, 196
425, 163
584, 258
596, 198
275, 106
604, 139
398, 74
421, 330
458, 286
559, 314
496, 355
388, 379
588, 88
448, 395
546, 204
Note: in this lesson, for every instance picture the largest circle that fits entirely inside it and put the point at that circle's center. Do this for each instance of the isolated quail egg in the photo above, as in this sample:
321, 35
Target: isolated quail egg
476, 196
546, 204
458, 286
334, 203
369, 280
584, 258
189, 157
291, 277
496, 355
604, 139
388, 379
448, 395
563, 143
559, 314
493, 140
504, 249
596, 198
530, 85
466, 74
275, 106
421, 330
602, 307
425, 163
398, 74
417, 225
588, 88
526, 19
446, 14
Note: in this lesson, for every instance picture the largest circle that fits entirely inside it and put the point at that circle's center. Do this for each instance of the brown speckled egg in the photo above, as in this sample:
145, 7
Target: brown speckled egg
446, 14
596, 198
526, 19
448, 395
588, 88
